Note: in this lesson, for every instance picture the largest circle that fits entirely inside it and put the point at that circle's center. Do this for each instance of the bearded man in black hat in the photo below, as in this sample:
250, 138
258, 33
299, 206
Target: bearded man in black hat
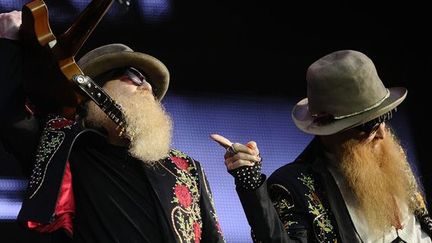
90, 183
353, 183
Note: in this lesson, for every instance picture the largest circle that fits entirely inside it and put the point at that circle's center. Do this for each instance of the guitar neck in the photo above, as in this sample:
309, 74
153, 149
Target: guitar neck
71, 41
102, 99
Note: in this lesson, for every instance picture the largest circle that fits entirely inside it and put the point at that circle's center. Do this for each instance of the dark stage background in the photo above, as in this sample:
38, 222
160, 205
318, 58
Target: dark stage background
245, 62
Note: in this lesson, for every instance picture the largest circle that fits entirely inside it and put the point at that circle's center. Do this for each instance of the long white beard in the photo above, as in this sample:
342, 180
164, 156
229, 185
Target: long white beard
149, 127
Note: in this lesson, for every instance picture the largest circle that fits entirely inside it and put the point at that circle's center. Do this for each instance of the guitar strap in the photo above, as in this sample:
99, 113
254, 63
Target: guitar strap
102, 99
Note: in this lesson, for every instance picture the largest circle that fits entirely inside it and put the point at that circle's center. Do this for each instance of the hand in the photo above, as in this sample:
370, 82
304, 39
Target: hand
238, 155
9, 25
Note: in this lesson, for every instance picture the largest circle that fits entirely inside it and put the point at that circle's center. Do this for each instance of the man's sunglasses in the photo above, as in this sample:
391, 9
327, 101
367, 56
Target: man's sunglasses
373, 125
369, 127
137, 77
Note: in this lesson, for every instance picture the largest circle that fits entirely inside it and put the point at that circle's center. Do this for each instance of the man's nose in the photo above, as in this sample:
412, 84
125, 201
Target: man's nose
146, 86
381, 132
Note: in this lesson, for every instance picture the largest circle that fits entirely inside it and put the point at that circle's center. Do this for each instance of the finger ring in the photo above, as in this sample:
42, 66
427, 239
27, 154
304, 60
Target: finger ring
231, 149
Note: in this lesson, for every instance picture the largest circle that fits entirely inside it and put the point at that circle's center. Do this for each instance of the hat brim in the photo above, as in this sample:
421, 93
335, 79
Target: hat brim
156, 70
305, 122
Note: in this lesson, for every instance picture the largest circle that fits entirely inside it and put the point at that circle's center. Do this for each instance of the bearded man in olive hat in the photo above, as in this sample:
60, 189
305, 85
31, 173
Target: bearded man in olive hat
353, 182
92, 182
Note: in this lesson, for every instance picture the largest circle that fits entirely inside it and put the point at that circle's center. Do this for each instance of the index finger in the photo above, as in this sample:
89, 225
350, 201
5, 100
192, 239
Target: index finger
221, 140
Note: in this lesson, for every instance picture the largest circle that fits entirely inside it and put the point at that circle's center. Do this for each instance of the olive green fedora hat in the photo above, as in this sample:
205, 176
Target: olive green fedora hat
112, 56
343, 91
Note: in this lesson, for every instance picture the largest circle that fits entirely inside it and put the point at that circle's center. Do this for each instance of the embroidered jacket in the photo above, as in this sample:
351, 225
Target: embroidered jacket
300, 202
179, 183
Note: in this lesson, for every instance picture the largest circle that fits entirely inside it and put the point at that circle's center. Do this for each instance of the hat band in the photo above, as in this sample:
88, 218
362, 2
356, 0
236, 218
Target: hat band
325, 117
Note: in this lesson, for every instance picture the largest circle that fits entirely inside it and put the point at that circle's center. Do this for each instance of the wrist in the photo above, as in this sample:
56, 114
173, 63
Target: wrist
247, 177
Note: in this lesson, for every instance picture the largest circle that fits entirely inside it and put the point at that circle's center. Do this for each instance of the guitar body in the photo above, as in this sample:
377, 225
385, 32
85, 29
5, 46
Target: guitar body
49, 61
36, 14
47, 87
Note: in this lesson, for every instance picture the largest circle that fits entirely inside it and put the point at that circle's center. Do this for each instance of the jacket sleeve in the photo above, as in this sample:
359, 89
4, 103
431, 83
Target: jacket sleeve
211, 230
11, 98
19, 131
265, 217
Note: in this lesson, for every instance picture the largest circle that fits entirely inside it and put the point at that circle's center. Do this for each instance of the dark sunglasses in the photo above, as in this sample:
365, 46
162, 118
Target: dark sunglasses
373, 125
369, 127
137, 77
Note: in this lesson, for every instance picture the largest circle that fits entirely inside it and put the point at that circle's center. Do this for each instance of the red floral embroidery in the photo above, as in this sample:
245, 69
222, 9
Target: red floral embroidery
180, 162
183, 195
57, 124
197, 232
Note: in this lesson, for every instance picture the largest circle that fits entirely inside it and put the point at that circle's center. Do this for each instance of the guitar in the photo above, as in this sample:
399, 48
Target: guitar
53, 81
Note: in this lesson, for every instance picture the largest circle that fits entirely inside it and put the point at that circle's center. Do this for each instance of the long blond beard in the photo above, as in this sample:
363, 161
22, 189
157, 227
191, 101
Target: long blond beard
149, 127
381, 179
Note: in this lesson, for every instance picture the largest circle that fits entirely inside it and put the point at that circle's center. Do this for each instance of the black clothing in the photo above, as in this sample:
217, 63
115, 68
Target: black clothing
97, 165
17, 128
301, 202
